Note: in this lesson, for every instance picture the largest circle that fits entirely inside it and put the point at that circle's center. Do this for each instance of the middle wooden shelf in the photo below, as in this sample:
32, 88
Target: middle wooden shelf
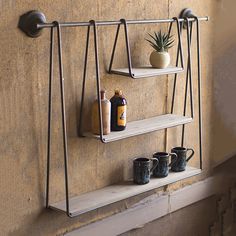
139, 127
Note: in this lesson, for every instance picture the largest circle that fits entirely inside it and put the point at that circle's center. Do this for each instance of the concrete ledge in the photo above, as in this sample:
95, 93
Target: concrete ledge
150, 209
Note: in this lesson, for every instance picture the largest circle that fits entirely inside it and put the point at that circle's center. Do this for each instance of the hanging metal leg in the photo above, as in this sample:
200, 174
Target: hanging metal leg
98, 78
179, 54
180, 42
123, 21
176, 74
199, 90
190, 68
49, 115
189, 72
186, 87
114, 48
63, 116
83, 84
170, 28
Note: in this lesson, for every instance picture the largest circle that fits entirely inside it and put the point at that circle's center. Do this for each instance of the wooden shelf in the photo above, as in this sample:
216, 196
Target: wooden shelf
139, 127
93, 200
147, 71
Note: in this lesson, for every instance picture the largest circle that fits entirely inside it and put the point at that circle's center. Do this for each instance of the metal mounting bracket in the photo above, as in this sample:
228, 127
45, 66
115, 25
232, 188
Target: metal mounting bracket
187, 12
28, 23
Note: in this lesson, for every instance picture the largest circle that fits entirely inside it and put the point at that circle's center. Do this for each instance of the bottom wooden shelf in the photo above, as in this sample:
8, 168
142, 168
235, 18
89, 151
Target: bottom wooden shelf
93, 200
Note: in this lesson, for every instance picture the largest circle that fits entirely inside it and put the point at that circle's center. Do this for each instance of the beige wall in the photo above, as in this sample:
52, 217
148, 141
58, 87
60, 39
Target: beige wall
224, 82
92, 165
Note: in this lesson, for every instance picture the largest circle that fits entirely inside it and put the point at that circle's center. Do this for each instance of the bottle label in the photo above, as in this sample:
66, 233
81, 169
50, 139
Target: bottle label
121, 115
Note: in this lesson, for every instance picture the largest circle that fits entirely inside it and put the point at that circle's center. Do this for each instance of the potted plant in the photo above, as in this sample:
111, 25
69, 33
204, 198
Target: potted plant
161, 42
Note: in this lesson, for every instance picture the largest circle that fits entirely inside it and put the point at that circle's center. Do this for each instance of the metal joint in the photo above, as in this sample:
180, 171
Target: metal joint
186, 13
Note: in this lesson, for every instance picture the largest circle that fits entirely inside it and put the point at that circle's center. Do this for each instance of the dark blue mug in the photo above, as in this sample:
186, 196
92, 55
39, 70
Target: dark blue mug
142, 169
180, 162
162, 169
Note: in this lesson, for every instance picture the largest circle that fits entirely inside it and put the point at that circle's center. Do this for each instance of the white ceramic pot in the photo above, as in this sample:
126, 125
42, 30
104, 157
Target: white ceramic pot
160, 59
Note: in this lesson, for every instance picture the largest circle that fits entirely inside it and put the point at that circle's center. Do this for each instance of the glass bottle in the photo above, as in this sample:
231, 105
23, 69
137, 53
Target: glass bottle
106, 115
118, 111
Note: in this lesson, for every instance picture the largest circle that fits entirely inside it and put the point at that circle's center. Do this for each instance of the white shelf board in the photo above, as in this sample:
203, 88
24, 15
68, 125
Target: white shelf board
93, 200
139, 127
147, 71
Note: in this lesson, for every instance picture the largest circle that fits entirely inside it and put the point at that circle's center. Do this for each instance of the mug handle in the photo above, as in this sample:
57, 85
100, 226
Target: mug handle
174, 160
191, 155
155, 163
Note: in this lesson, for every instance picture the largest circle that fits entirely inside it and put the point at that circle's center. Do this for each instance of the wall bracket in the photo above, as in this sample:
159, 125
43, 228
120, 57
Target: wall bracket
28, 23
186, 13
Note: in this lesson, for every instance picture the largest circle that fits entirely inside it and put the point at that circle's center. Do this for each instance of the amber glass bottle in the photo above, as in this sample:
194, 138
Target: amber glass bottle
118, 111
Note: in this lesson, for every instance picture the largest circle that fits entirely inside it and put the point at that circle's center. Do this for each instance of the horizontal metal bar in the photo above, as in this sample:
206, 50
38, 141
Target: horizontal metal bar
103, 23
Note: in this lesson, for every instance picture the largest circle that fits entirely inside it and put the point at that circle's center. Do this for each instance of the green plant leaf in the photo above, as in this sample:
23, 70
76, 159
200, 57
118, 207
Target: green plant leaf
160, 41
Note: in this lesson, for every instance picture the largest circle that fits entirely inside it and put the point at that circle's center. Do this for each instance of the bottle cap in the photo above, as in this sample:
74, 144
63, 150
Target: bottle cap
103, 92
118, 92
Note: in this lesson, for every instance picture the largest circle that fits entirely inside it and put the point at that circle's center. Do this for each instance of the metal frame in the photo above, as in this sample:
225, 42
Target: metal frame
32, 24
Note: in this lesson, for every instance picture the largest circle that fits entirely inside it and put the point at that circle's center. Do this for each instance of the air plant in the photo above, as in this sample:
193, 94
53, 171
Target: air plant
161, 42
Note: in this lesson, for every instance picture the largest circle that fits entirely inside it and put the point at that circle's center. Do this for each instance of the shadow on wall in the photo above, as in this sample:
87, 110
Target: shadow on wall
224, 80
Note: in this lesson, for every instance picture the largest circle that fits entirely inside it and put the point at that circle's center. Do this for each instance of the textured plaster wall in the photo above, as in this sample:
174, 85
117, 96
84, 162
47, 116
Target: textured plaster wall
195, 220
92, 165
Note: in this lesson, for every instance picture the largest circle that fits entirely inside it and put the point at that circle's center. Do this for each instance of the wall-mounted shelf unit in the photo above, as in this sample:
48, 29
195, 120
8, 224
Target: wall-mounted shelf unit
32, 24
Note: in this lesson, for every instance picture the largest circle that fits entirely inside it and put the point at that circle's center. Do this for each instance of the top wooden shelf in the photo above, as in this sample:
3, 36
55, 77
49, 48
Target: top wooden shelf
146, 71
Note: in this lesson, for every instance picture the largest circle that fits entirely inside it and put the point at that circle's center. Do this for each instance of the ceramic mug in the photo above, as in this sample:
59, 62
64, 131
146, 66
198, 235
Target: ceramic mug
142, 169
162, 169
180, 162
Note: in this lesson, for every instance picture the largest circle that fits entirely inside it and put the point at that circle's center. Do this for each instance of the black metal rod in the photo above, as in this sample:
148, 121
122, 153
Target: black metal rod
98, 78
49, 115
63, 113
169, 32
179, 53
180, 41
114, 48
176, 74
83, 83
128, 47
170, 28
190, 69
104, 23
199, 91
186, 88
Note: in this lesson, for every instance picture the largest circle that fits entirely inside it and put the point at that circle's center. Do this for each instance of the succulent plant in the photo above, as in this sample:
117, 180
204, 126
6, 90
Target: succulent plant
161, 42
